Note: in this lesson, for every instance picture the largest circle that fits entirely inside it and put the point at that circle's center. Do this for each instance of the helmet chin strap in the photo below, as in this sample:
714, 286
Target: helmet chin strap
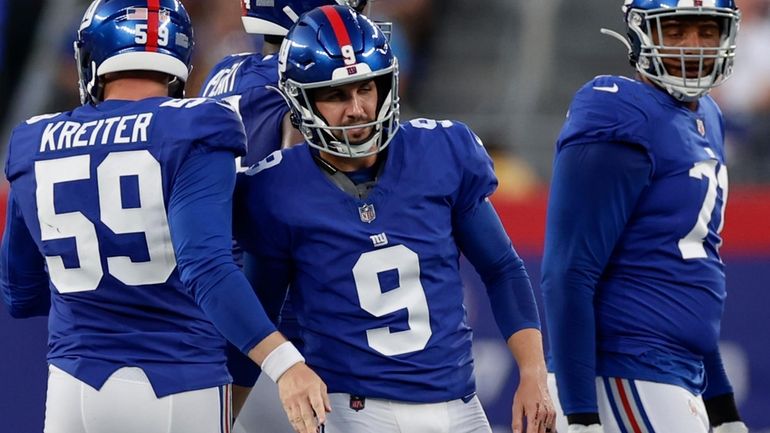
92, 88
354, 150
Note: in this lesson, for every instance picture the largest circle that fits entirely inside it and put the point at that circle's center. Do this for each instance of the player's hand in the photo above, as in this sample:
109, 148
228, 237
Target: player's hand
577, 428
304, 398
533, 402
731, 427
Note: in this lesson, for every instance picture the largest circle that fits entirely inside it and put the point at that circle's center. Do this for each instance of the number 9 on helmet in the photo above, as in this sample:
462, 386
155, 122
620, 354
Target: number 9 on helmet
133, 35
333, 46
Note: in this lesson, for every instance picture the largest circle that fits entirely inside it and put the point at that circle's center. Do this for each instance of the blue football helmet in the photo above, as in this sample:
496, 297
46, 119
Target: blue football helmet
275, 17
313, 57
643, 19
133, 35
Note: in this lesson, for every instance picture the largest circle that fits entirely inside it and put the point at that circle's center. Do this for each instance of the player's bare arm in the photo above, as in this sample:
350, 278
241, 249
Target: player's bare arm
531, 400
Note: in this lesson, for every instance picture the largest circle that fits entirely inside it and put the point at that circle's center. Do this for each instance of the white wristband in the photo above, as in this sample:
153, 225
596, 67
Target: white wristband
731, 427
281, 359
577, 428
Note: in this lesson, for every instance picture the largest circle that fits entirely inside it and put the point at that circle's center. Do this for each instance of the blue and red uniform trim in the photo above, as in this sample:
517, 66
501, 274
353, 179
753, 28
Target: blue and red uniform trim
627, 407
226, 409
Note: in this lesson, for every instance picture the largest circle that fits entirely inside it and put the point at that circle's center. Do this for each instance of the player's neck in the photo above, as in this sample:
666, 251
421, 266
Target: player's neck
691, 105
134, 89
270, 48
349, 164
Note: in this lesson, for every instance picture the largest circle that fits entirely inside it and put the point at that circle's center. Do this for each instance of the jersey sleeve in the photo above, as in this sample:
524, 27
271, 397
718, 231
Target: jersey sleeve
593, 192
10, 164
263, 110
23, 279
265, 238
266, 265
23, 136
482, 238
607, 109
200, 220
257, 226
477, 178
204, 123
249, 84
716, 376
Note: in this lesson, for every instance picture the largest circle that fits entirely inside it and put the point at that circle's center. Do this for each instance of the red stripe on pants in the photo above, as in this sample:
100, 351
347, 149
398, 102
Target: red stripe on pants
627, 405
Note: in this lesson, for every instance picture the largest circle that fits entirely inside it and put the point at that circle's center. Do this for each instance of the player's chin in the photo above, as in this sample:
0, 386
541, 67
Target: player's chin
691, 70
359, 135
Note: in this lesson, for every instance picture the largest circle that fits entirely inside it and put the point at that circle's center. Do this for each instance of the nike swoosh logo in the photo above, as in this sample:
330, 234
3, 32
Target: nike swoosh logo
613, 89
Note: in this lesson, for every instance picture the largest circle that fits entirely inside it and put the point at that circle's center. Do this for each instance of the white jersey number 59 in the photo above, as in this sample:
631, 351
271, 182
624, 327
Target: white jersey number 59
149, 218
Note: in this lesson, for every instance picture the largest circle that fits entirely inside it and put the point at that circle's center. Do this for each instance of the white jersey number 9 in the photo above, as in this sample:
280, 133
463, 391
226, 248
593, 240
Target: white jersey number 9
409, 295
149, 218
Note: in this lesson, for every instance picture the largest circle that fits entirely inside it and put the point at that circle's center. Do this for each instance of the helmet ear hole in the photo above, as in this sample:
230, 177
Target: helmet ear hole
383, 84
273, 39
633, 53
95, 86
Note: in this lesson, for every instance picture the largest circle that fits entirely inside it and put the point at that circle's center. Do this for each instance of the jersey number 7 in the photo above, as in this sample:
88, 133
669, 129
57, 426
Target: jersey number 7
691, 246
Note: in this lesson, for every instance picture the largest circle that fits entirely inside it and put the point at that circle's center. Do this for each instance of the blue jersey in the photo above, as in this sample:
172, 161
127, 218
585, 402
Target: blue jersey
640, 249
90, 190
377, 290
249, 82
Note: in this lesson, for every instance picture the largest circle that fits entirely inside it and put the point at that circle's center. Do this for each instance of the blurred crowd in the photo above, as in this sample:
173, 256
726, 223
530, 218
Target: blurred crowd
37, 71
745, 97
218, 32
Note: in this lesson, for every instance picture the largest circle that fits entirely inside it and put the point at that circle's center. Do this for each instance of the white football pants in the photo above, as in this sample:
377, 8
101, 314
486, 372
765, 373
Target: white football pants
263, 411
127, 404
638, 406
388, 416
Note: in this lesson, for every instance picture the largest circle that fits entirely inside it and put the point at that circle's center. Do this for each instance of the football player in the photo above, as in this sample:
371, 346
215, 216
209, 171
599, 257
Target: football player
366, 221
633, 284
249, 82
119, 228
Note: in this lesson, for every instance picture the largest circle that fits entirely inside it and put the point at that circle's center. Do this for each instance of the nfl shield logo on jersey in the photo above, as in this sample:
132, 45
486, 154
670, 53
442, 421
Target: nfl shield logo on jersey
366, 212
701, 127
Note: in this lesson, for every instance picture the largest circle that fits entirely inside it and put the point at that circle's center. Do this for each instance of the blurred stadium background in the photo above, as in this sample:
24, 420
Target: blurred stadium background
506, 67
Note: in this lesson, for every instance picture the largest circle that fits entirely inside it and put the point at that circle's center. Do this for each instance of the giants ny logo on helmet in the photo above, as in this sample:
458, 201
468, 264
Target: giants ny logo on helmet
333, 46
